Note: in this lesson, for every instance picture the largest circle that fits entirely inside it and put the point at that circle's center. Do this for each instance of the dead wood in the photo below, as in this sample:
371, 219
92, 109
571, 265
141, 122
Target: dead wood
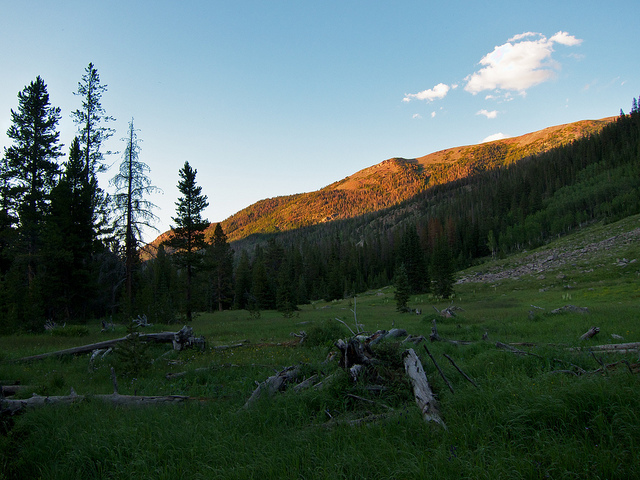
439, 369
273, 384
413, 339
570, 308
306, 383
302, 335
514, 350
184, 338
634, 368
354, 352
181, 339
16, 406
421, 390
613, 347
592, 332
460, 370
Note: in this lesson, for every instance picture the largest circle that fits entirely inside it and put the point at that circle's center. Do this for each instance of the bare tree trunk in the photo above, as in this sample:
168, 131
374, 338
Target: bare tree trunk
421, 390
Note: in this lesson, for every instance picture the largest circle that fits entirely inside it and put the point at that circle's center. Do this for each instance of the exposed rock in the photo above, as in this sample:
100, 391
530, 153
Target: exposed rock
539, 263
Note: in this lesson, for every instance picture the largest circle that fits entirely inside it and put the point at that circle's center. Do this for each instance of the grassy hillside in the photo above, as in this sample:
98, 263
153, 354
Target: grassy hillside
533, 416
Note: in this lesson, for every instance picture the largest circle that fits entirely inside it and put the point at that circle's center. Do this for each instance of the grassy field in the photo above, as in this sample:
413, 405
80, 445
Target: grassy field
524, 421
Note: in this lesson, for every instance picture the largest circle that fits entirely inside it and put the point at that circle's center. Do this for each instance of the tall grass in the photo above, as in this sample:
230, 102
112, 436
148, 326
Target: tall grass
522, 422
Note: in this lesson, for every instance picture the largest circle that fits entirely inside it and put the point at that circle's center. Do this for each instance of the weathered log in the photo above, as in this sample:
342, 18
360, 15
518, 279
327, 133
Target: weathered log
161, 337
570, 308
514, 350
421, 390
16, 406
396, 333
273, 384
413, 339
613, 347
353, 352
592, 332
306, 383
302, 335
184, 338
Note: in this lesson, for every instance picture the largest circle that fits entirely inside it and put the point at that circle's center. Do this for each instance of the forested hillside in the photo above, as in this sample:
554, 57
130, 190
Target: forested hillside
452, 225
396, 180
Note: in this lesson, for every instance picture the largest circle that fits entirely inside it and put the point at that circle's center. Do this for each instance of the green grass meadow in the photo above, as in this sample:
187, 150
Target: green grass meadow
523, 421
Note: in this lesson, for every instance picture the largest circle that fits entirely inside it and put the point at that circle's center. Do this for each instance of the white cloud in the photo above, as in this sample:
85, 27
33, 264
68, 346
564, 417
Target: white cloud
433, 114
494, 137
520, 36
416, 116
519, 64
486, 113
437, 92
565, 39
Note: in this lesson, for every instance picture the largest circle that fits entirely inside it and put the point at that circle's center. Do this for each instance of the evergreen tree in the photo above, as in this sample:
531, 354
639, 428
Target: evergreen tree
285, 290
8, 218
30, 174
402, 288
187, 238
262, 295
132, 184
442, 268
164, 279
91, 120
219, 266
68, 255
414, 260
242, 287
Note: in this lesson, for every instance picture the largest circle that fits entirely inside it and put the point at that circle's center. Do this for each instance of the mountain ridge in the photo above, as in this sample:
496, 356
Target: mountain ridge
393, 181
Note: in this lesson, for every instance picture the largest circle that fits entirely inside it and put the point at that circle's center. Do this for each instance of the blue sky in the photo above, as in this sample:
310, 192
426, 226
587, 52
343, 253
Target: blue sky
268, 98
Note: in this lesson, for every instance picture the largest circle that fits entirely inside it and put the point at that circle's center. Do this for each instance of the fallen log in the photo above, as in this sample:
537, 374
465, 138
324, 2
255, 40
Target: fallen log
613, 347
184, 338
16, 406
421, 390
514, 350
571, 309
161, 337
592, 332
273, 384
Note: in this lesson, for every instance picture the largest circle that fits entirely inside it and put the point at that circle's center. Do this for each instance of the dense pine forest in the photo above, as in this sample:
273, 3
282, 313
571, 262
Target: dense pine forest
70, 253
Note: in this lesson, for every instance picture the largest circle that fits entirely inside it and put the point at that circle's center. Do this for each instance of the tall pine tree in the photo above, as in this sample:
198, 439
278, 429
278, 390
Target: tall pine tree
219, 267
91, 121
187, 237
33, 162
71, 288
